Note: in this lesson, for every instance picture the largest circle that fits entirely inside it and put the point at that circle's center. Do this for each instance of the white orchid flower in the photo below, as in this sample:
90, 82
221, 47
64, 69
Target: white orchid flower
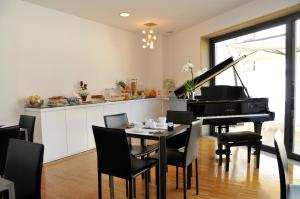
187, 67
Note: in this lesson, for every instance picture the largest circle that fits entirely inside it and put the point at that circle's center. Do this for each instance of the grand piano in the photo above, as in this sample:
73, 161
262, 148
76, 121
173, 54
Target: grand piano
222, 106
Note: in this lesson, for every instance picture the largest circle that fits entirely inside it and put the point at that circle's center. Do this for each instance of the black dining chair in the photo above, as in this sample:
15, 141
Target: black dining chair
120, 121
178, 117
27, 122
24, 167
114, 158
5, 135
287, 191
184, 158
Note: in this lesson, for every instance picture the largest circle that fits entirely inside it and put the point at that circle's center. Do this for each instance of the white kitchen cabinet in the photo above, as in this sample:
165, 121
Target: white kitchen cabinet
68, 130
54, 135
94, 116
76, 130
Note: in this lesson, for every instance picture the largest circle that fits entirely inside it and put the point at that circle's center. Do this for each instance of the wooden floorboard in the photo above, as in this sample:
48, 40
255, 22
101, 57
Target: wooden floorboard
76, 177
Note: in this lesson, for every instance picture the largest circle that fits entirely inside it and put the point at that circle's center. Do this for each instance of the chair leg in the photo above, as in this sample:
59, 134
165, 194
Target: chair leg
184, 183
130, 189
149, 175
147, 184
176, 177
156, 174
227, 156
126, 188
258, 154
143, 174
220, 149
99, 186
134, 188
197, 183
249, 153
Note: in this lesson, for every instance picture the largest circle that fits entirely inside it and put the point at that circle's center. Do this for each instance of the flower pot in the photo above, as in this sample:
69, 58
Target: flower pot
83, 98
191, 95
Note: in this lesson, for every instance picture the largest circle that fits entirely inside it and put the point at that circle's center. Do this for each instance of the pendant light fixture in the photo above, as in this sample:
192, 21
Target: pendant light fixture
149, 36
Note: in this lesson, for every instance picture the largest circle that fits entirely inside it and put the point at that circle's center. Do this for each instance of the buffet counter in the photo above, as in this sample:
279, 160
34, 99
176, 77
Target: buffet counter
67, 130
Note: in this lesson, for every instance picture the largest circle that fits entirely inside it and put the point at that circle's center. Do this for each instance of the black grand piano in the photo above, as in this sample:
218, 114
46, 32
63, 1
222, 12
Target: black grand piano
222, 106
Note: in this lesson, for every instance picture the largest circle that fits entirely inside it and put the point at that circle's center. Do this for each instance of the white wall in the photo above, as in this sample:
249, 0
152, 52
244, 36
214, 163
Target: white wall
185, 45
46, 52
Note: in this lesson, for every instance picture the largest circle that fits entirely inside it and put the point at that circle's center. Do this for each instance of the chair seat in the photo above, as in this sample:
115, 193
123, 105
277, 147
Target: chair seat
293, 191
174, 157
138, 150
139, 165
239, 136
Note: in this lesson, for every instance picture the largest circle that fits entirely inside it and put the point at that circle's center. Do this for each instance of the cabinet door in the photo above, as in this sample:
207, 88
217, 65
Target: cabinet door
154, 109
124, 107
76, 130
94, 116
54, 135
139, 111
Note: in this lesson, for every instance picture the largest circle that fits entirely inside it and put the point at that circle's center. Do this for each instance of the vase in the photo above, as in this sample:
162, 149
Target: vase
83, 98
191, 95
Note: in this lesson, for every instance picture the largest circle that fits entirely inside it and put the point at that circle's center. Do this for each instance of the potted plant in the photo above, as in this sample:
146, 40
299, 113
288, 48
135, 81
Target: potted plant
82, 91
189, 84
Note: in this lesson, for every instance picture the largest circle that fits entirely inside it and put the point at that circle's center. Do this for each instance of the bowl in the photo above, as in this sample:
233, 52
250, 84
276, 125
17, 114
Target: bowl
73, 100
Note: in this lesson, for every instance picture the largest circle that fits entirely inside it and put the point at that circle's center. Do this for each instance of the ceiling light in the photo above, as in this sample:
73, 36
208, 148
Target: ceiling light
149, 37
124, 14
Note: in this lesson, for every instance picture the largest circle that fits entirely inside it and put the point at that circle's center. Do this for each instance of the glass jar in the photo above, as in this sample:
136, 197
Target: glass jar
133, 85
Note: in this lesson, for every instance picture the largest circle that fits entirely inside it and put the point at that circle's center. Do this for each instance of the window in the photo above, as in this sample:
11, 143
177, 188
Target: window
269, 71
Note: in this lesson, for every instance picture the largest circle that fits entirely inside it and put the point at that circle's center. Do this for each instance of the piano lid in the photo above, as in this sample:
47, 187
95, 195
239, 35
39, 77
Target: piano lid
208, 75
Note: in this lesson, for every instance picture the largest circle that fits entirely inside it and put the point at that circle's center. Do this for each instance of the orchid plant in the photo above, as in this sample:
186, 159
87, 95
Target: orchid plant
189, 84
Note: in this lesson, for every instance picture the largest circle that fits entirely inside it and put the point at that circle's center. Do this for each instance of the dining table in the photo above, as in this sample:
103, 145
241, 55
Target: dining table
23, 131
161, 135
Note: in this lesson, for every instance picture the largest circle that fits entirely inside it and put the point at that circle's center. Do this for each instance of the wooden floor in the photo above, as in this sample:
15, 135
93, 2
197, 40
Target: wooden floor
76, 177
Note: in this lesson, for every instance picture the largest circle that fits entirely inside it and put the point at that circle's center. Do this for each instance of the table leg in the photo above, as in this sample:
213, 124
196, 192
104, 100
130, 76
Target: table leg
162, 167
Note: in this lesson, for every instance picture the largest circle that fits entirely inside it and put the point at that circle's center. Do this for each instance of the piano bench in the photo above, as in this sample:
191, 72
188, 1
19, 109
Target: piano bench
242, 138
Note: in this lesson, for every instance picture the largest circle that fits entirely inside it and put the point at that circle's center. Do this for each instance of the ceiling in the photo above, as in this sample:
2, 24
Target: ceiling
170, 15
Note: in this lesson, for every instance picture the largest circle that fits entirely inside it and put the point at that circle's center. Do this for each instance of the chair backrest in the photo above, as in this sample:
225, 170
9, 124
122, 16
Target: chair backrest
282, 164
27, 122
112, 151
192, 143
24, 167
117, 121
180, 117
5, 135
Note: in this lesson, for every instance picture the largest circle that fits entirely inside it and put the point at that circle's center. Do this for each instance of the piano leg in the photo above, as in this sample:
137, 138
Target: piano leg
257, 129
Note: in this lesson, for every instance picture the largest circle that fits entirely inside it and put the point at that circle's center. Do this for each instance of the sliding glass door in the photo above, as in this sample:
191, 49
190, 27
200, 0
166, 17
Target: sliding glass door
262, 72
296, 130
270, 70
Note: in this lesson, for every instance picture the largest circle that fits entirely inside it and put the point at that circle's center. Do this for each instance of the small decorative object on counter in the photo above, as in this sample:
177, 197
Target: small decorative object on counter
74, 100
34, 101
56, 101
97, 98
169, 85
82, 91
153, 93
133, 85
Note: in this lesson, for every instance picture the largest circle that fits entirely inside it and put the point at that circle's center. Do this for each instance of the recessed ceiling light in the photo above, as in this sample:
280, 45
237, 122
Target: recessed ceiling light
124, 14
